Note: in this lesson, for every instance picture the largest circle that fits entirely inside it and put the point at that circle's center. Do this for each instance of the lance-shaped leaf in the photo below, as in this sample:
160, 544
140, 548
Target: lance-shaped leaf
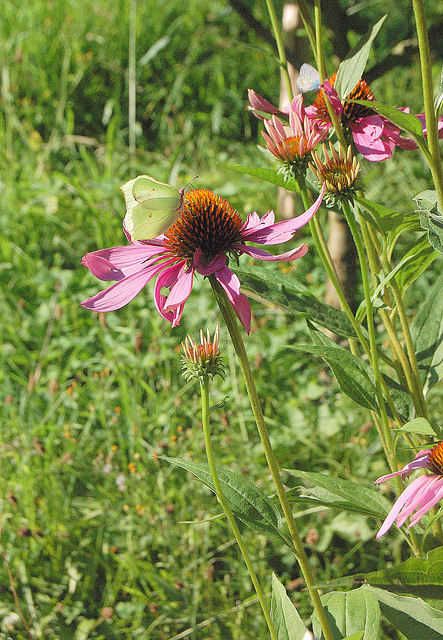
419, 576
382, 217
420, 426
403, 120
294, 298
352, 67
269, 175
287, 622
353, 375
415, 619
247, 502
427, 335
350, 613
343, 494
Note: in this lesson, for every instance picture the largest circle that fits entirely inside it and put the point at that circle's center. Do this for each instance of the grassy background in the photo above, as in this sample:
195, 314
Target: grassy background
94, 526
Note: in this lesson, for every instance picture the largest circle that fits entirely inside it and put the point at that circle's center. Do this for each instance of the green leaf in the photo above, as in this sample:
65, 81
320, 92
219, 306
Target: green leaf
382, 217
427, 336
405, 121
352, 67
294, 298
351, 613
353, 375
287, 622
415, 619
420, 426
344, 494
427, 201
269, 175
416, 260
421, 576
249, 503
430, 218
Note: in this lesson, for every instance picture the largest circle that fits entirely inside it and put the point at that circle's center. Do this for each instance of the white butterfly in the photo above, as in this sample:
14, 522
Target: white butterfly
308, 79
152, 207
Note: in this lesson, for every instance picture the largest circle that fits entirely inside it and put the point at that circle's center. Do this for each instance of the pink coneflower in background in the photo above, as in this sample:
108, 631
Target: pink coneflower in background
207, 233
292, 145
374, 136
422, 494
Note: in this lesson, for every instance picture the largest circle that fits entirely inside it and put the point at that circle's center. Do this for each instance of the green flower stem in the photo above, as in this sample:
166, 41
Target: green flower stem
320, 59
415, 390
307, 22
280, 48
417, 386
371, 331
237, 340
323, 251
428, 98
204, 387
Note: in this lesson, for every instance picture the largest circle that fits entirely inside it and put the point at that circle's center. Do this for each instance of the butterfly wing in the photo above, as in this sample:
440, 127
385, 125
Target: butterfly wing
308, 79
152, 207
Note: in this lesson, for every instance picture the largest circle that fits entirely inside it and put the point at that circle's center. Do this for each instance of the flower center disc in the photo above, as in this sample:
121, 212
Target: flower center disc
436, 459
351, 112
208, 223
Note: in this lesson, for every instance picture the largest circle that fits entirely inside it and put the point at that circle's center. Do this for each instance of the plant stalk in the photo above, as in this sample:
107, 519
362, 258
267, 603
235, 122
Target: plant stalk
237, 340
204, 388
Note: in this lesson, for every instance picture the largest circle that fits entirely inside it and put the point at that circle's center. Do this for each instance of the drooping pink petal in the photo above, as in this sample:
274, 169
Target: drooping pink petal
398, 505
284, 230
167, 279
120, 293
117, 262
430, 502
257, 103
239, 302
422, 118
181, 290
260, 254
423, 492
369, 138
420, 462
206, 268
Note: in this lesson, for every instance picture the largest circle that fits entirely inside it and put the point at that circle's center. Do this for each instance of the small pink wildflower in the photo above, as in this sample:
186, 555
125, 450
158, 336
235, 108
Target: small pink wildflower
422, 494
208, 231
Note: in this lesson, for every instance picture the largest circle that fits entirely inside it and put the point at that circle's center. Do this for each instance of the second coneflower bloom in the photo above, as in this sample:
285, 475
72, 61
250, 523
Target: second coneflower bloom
208, 232
292, 145
422, 494
374, 136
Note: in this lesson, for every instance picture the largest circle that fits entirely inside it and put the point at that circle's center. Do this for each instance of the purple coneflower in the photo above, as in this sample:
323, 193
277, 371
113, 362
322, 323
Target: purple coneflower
292, 145
207, 233
374, 136
422, 494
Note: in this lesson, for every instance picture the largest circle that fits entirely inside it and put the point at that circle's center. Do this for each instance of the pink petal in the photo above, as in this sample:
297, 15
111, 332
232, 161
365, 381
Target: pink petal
281, 231
206, 268
120, 293
106, 264
260, 254
420, 462
180, 291
239, 302
398, 504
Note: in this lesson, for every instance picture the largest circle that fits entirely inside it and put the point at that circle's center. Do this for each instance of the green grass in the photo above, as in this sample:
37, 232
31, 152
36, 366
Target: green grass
95, 526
